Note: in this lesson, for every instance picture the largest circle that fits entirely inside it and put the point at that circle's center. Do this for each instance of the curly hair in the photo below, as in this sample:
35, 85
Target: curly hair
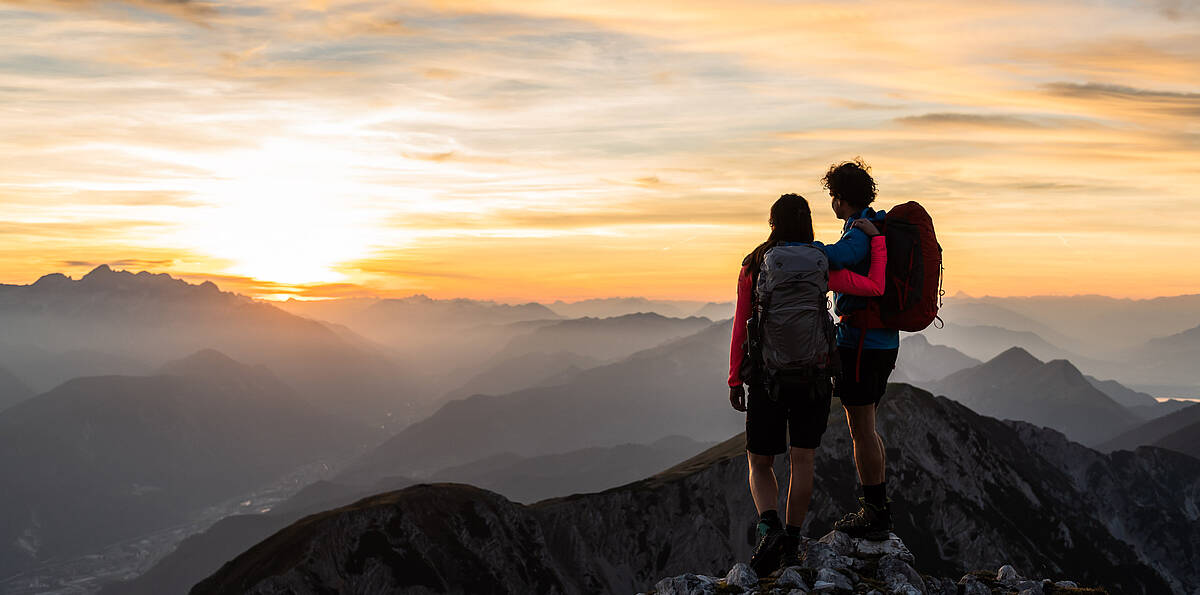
851, 182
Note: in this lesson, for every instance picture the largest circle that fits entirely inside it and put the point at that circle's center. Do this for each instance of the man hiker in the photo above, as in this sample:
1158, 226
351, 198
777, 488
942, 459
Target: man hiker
783, 348
868, 355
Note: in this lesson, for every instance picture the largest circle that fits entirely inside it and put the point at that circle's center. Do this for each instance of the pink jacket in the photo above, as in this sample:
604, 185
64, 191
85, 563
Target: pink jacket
841, 281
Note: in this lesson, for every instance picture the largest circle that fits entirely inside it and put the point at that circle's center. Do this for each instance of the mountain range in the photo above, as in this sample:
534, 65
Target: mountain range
969, 491
920, 362
620, 306
1178, 431
1016, 385
1096, 326
12, 389
517, 478
99, 459
670, 389
147, 319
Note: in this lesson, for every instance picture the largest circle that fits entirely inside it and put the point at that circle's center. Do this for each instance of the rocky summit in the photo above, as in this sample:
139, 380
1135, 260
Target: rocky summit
838, 563
968, 492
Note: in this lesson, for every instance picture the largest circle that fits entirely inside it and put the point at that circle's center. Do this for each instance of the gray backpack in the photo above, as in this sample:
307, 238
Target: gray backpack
795, 329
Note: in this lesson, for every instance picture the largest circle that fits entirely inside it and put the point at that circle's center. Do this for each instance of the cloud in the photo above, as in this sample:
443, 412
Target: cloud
1177, 9
195, 11
73, 229
126, 263
969, 120
548, 147
1173, 103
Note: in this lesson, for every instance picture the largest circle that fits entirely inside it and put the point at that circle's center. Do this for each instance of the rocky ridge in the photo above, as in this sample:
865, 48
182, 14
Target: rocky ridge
970, 492
838, 563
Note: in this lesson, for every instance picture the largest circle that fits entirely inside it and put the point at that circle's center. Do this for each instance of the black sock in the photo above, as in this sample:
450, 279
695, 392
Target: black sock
771, 519
876, 495
793, 530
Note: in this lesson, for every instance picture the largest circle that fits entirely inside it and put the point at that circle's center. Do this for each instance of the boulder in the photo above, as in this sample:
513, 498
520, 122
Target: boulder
822, 555
829, 579
969, 584
896, 574
741, 575
687, 584
1007, 574
790, 578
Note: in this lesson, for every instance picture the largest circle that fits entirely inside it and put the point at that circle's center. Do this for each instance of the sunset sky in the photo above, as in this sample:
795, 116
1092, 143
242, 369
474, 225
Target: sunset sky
564, 150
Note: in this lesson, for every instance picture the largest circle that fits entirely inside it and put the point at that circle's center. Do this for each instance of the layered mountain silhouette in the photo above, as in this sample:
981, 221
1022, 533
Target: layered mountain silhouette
970, 492
1172, 360
1016, 385
1138, 342
1126, 397
544, 352
1100, 327
986, 342
391, 317
517, 478
99, 459
43, 369
150, 319
672, 389
12, 389
621, 306
716, 310
603, 338
984, 313
1177, 431
920, 362
505, 374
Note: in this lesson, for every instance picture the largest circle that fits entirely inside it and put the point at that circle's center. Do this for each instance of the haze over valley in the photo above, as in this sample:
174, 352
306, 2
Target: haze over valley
138, 405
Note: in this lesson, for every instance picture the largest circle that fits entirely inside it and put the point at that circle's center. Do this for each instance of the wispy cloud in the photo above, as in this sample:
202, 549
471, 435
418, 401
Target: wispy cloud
546, 149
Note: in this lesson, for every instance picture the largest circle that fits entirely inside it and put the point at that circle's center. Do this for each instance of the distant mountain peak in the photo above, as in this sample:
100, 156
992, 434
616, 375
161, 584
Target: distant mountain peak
1016, 357
99, 271
205, 362
1066, 367
51, 279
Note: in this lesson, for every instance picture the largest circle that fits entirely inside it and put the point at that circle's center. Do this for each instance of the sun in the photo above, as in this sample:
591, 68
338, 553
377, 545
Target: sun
288, 212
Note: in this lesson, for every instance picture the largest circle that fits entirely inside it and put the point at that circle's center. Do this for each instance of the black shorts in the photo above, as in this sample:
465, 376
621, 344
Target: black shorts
873, 372
801, 411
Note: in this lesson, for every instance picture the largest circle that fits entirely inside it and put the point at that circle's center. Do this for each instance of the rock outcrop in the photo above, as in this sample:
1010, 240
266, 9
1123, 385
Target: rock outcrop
837, 563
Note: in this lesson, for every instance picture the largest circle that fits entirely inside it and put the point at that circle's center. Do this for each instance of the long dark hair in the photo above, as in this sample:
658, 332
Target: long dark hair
791, 221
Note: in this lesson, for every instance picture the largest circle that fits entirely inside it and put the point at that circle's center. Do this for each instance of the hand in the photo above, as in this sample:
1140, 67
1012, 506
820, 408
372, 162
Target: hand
737, 397
867, 227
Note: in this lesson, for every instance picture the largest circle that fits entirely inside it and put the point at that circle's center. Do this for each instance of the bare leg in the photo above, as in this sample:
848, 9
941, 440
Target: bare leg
800, 484
869, 454
763, 486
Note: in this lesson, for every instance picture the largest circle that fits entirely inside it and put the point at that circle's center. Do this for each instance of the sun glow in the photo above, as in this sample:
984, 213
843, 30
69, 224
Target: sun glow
287, 212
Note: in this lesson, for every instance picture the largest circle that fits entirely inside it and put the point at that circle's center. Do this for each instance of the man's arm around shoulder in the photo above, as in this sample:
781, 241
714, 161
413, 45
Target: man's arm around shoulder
854, 246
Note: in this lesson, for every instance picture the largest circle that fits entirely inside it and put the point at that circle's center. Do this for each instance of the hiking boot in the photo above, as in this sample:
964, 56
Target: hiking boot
870, 522
772, 547
794, 552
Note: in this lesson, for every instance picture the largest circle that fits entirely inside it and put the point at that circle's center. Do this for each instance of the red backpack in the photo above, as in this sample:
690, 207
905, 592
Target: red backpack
912, 290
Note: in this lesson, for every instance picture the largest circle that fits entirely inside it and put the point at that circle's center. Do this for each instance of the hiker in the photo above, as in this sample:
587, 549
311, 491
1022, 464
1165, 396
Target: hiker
789, 394
868, 355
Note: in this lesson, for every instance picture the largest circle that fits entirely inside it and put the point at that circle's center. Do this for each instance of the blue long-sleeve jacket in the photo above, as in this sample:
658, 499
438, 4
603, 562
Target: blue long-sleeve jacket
853, 251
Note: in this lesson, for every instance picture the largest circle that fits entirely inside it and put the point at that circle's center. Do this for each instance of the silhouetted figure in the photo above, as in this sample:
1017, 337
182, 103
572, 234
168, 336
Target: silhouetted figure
783, 349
